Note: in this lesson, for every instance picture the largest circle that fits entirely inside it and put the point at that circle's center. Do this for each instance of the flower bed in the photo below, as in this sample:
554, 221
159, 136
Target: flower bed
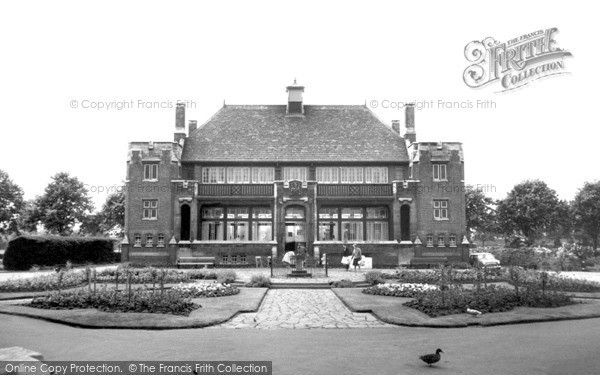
455, 300
43, 283
197, 290
467, 276
531, 278
138, 301
142, 275
398, 290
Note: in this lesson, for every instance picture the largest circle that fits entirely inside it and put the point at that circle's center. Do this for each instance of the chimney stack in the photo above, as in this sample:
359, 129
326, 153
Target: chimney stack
396, 126
410, 134
192, 125
179, 123
295, 105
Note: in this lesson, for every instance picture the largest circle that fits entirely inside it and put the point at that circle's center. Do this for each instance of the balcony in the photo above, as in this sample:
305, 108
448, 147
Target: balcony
236, 190
355, 190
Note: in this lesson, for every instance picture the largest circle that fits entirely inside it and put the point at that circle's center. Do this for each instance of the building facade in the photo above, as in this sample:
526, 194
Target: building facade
264, 179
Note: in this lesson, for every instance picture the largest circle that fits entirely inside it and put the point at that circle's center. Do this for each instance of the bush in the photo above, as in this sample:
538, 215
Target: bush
374, 277
226, 277
197, 290
138, 301
344, 283
25, 251
202, 275
259, 281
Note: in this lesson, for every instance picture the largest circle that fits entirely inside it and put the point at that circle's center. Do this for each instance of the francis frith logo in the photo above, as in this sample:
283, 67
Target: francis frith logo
515, 63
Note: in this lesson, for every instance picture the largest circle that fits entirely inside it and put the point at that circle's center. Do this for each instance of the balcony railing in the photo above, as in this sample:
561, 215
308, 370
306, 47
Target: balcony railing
355, 190
243, 190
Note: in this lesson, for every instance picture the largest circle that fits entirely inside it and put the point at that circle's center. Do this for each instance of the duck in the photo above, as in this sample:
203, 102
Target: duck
473, 312
432, 358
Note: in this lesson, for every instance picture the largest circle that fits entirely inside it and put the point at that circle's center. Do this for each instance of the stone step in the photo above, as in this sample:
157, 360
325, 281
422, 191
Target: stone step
300, 286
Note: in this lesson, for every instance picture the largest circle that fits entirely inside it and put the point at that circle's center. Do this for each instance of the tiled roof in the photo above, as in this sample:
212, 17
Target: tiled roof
324, 134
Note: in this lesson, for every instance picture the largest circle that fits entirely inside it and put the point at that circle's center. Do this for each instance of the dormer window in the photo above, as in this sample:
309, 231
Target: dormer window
295, 105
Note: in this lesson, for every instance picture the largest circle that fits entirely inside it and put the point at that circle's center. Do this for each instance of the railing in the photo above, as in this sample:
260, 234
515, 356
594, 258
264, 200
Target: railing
358, 190
257, 190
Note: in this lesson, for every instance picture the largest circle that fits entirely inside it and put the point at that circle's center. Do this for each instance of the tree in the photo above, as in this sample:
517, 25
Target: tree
113, 213
110, 220
481, 216
531, 208
586, 211
11, 203
64, 204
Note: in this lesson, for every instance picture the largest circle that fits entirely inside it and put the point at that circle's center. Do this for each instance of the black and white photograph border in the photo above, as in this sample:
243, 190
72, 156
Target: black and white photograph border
273, 187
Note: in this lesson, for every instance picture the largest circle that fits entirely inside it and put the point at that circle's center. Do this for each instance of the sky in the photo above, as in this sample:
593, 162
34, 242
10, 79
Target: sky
62, 60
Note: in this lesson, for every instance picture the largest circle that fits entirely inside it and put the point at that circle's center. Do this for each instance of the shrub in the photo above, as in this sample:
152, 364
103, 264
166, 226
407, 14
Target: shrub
344, 283
226, 277
202, 275
138, 301
259, 281
25, 251
374, 277
197, 290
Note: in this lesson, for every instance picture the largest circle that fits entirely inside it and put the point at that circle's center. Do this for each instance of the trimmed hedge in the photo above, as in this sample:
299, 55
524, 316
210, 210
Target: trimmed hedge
25, 251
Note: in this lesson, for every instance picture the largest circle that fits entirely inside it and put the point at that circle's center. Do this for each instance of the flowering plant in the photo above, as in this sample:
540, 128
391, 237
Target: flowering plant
195, 290
399, 290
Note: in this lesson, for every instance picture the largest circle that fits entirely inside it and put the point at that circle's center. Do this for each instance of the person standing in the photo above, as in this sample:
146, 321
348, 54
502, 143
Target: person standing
356, 257
346, 257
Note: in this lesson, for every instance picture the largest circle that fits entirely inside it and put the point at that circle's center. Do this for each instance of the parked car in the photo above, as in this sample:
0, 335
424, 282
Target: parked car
484, 260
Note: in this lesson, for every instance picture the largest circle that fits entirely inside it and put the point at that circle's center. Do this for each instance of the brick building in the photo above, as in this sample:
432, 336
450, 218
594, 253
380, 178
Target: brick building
263, 179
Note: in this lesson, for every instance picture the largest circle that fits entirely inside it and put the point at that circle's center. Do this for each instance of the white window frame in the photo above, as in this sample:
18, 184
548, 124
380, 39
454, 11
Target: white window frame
440, 172
149, 206
263, 175
150, 171
294, 173
160, 240
238, 175
328, 175
376, 175
149, 240
213, 175
352, 175
137, 240
440, 209
429, 240
452, 240
441, 240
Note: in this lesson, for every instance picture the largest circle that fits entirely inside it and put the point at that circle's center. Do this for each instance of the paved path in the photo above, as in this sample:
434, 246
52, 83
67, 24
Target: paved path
301, 309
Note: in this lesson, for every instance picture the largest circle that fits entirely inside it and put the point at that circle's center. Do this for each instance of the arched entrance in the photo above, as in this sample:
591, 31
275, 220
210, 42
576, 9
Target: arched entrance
185, 223
405, 222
